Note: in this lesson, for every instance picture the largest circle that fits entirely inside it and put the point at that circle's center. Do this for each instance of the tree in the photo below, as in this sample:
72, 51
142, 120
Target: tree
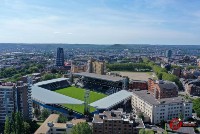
7, 126
197, 112
13, 125
143, 131
44, 114
53, 70
48, 76
16, 125
180, 116
34, 126
62, 119
149, 132
19, 123
81, 128
26, 128
37, 112
196, 106
141, 115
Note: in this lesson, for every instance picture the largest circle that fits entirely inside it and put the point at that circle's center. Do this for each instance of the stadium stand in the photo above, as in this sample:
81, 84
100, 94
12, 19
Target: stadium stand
54, 84
100, 83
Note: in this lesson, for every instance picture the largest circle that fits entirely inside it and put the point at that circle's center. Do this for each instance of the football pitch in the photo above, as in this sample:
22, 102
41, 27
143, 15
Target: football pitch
78, 93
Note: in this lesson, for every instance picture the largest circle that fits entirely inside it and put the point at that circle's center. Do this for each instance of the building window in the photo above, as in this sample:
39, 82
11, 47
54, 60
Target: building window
61, 130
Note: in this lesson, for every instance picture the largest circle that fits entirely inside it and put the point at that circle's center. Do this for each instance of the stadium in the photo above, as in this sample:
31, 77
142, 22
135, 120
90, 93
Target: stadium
101, 83
58, 95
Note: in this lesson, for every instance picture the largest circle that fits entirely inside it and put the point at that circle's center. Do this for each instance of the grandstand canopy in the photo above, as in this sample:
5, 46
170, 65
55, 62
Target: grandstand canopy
49, 97
101, 77
112, 100
50, 81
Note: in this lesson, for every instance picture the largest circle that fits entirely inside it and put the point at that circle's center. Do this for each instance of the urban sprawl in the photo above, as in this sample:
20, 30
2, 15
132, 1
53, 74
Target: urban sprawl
99, 89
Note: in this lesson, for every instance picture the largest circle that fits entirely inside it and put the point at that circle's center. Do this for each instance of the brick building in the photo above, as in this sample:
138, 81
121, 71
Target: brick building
192, 87
177, 72
162, 89
116, 122
138, 84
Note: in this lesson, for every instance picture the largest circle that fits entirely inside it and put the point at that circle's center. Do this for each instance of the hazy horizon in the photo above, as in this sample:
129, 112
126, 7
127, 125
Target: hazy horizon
153, 22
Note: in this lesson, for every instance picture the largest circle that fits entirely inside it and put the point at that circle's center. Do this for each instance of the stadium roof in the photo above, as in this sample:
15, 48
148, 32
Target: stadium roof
101, 77
50, 81
112, 100
49, 97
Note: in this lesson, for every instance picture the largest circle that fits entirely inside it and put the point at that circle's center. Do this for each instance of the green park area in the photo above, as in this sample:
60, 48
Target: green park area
78, 93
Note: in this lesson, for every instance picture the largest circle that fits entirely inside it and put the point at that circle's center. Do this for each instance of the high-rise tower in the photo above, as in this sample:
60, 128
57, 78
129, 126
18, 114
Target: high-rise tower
168, 53
15, 98
60, 57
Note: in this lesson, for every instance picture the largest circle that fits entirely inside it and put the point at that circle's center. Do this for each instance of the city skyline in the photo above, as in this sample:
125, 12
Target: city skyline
100, 22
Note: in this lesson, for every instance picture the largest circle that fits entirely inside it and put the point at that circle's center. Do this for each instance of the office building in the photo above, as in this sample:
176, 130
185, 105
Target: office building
160, 109
116, 122
60, 57
15, 98
168, 53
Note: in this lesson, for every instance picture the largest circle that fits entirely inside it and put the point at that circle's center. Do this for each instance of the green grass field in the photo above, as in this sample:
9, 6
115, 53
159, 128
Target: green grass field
78, 93
78, 108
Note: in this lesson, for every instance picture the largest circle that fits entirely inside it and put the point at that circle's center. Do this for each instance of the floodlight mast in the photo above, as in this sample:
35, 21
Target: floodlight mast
86, 102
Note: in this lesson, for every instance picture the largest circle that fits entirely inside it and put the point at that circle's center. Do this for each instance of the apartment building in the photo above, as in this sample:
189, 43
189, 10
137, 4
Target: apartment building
116, 122
97, 67
162, 89
160, 109
6, 102
13, 98
192, 86
78, 68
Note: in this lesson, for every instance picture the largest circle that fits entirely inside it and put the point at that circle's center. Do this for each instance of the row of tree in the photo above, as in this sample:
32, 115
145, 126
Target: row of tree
81, 128
196, 106
15, 73
44, 114
162, 73
49, 76
17, 125
142, 67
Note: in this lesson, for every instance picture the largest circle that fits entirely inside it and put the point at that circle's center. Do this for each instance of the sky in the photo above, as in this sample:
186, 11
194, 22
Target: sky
100, 21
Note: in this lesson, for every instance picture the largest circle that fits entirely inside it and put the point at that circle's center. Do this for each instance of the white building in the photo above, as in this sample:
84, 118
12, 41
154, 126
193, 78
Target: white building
162, 109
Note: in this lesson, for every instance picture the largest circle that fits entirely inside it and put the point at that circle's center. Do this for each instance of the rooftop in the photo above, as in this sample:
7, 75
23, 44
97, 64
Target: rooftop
49, 97
118, 115
43, 129
113, 100
148, 97
101, 77
167, 85
6, 87
53, 118
50, 81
